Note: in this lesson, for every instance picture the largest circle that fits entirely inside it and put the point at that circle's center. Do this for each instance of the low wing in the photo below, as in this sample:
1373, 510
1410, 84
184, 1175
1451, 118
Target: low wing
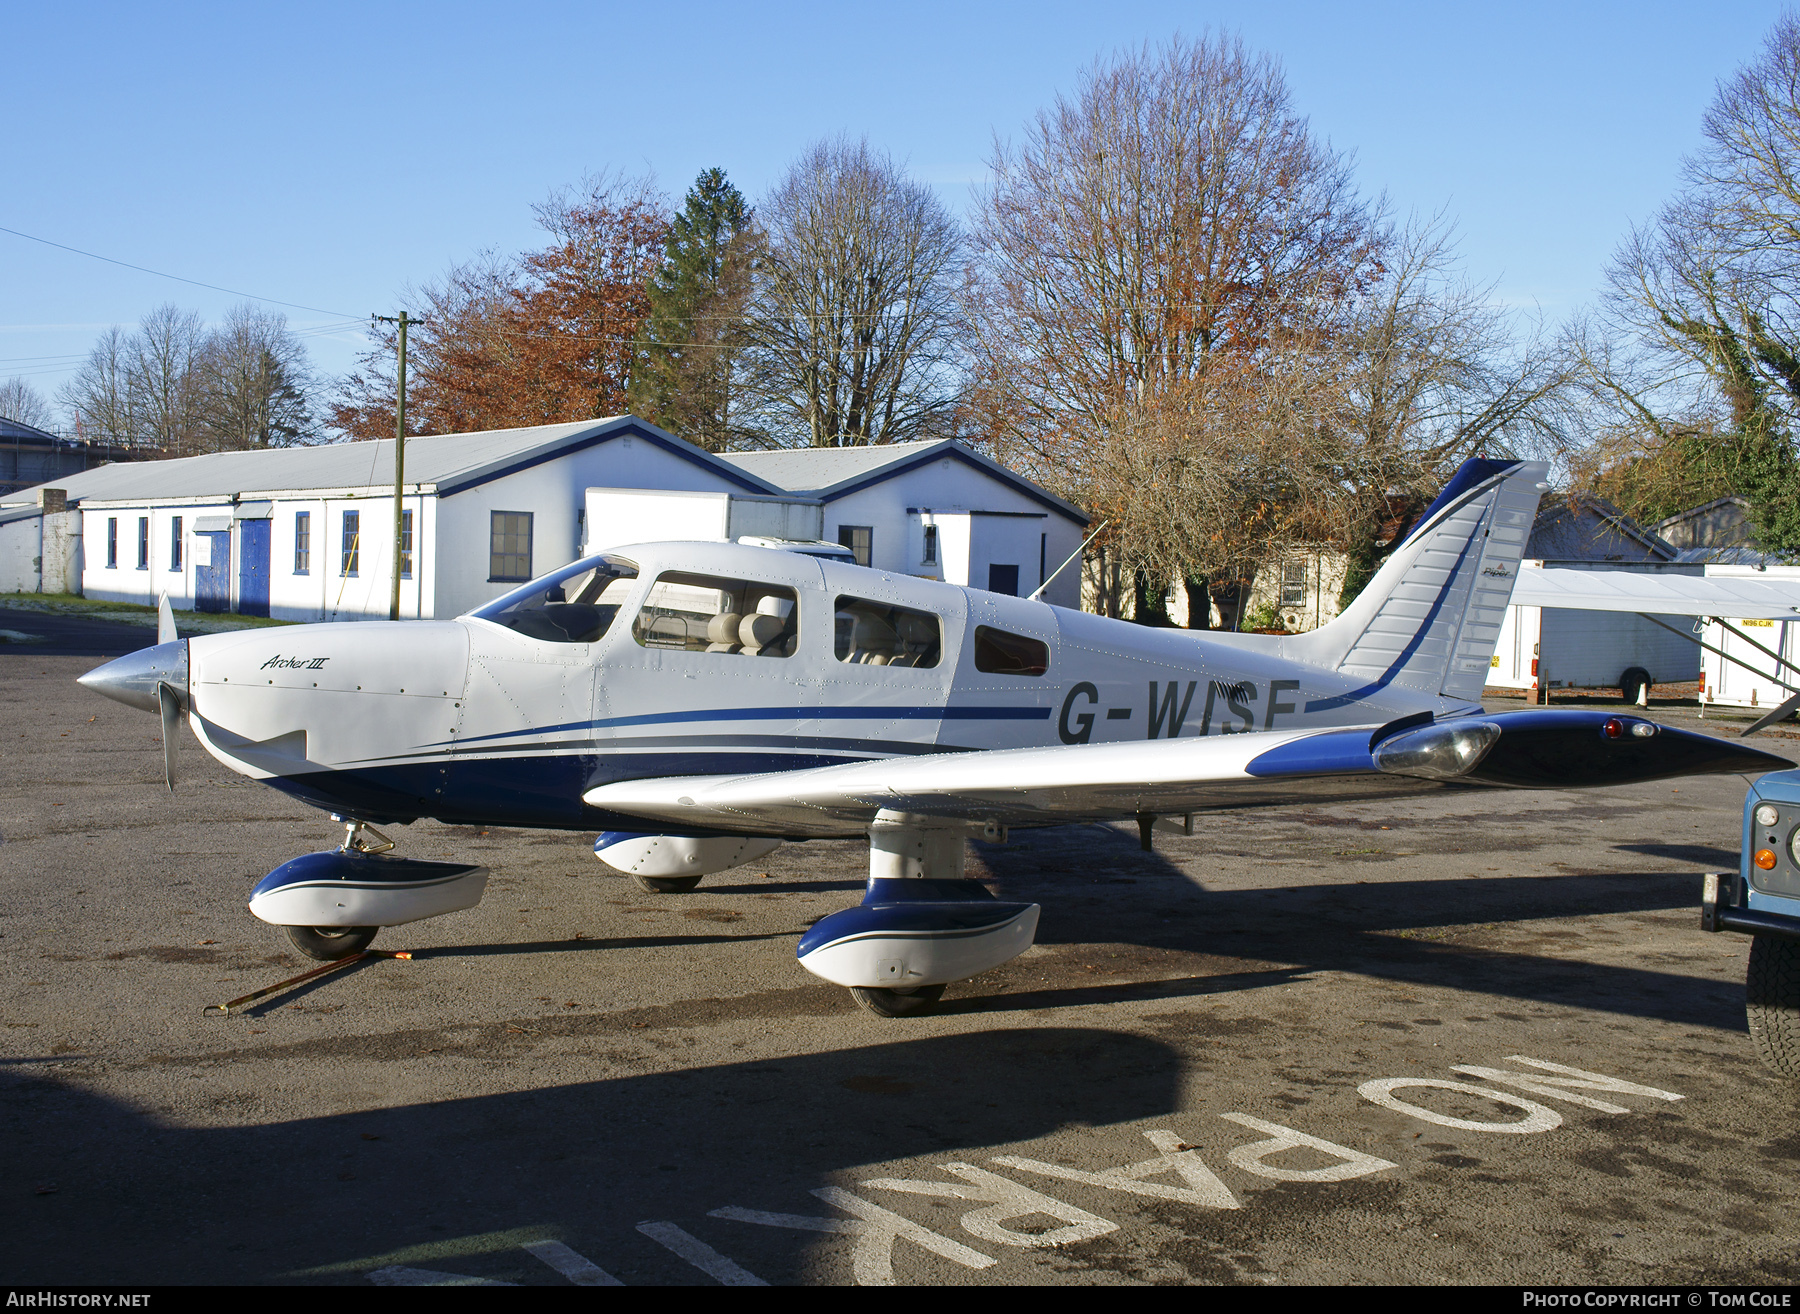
1658, 594
1046, 786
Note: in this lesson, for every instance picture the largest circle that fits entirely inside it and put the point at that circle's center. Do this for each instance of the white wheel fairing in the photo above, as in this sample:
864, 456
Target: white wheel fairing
897, 958
678, 855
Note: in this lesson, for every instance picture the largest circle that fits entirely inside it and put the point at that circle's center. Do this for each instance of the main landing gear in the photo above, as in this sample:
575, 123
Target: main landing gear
920, 925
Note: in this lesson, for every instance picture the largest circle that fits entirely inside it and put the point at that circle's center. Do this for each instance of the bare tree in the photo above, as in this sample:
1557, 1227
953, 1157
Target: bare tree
1709, 295
852, 334
160, 372
1160, 259
99, 399
253, 382
24, 403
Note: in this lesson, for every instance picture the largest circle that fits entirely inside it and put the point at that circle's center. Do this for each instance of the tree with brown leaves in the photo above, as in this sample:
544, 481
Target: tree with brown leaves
546, 338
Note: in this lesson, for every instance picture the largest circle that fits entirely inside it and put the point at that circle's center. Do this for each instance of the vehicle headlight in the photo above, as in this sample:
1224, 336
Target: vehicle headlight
1794, 847
1766, 815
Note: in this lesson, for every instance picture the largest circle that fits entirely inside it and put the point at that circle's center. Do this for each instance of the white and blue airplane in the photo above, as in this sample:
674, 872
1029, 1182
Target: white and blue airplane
697, 704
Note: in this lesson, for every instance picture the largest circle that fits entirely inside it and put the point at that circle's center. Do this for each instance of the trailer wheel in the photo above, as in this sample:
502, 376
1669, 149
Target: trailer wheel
1772, 1003
1635, 680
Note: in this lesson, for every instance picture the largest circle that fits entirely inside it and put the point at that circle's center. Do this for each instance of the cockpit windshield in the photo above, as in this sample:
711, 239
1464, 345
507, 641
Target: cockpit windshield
573, 605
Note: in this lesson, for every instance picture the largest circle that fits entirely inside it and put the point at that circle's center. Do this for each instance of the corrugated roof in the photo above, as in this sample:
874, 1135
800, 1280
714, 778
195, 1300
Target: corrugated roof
828, 472
448, 461
806, 469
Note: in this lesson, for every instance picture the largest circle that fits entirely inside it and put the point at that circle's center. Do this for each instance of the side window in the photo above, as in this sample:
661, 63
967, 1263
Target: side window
875, 634
1000, 653
575, 605
706, 613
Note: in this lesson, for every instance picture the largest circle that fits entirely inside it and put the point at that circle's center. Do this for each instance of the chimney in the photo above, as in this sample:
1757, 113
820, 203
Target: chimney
52, 500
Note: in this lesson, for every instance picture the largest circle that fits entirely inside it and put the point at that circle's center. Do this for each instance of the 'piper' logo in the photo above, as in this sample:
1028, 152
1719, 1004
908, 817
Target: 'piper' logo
295, 663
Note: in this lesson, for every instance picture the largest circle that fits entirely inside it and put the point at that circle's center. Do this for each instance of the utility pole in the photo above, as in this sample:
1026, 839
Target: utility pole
403, 320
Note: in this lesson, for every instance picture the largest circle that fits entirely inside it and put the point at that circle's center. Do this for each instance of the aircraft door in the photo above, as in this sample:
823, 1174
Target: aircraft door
716, 671
884, 670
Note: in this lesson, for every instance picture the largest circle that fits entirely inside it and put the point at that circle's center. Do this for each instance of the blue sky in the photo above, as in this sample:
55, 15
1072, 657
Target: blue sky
329, 154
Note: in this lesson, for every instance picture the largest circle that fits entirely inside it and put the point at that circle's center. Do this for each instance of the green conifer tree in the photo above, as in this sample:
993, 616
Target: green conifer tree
689, 344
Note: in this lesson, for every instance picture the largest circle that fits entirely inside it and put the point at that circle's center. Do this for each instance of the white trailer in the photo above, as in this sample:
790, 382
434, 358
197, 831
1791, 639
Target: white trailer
1754, 661
639, 515
1542, 648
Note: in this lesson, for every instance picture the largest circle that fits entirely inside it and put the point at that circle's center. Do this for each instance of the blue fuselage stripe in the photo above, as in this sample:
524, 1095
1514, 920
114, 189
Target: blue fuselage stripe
798, 715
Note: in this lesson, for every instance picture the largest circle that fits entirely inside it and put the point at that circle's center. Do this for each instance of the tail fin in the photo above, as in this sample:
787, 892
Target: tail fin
1430, 617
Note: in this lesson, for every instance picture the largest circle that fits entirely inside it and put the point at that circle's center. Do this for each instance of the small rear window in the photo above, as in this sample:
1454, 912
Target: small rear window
1000, 653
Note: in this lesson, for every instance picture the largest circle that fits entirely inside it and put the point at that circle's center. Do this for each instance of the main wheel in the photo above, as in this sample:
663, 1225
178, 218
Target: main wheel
1772, 1002
330, 943
667, 884
883, 1002
1635, 680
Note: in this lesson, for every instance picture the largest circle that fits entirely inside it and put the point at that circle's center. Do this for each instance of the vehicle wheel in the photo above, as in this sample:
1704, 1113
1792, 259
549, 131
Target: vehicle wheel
1772, 1002
667, 884
330, 943
897, 1003
1635, 680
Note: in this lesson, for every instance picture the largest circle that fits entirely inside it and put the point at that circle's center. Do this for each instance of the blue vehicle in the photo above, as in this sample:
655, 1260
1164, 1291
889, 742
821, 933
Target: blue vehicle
1762, 900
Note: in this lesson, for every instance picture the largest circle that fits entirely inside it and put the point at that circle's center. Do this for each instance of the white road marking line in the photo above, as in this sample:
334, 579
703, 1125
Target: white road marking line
1250, 1157
1589, 1080
583, 1272
875, 1229
1538, 1118
1537, 1087
399, 1275
1009, 1199
1203, 1186
702, 1256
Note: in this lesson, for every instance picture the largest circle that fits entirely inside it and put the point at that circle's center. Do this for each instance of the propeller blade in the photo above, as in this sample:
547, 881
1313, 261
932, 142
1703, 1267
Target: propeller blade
1787, 709
170, 707
165, 622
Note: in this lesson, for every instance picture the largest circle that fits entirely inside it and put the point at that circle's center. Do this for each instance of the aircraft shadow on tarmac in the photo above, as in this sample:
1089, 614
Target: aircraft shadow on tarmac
460, 1184
1355, 928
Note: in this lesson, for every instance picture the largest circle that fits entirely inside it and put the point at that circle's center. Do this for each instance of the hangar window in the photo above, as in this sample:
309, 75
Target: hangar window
577, 604
875, 634
707, 613
302, 542
112, 542
175, 543
143, 543
1000, 653
509, 545
350, 556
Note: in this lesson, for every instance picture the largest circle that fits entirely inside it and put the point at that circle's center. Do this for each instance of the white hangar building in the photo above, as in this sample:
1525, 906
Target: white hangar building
306, 533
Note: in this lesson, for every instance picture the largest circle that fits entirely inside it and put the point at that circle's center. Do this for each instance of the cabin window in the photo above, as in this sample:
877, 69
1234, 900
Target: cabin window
175, 543
352, 543
509, 545
706, 613
860, 539
112, 542
875, 634
577, 604
303, 542
143, 543
1000, 653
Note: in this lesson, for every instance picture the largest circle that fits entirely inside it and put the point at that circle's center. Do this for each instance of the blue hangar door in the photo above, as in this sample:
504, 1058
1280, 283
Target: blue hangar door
212, 575
253, 567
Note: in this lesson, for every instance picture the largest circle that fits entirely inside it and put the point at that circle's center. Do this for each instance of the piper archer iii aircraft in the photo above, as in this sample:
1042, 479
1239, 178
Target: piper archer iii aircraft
698, 704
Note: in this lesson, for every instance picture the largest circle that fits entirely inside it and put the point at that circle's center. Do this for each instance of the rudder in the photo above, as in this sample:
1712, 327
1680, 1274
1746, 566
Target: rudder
1429, 619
